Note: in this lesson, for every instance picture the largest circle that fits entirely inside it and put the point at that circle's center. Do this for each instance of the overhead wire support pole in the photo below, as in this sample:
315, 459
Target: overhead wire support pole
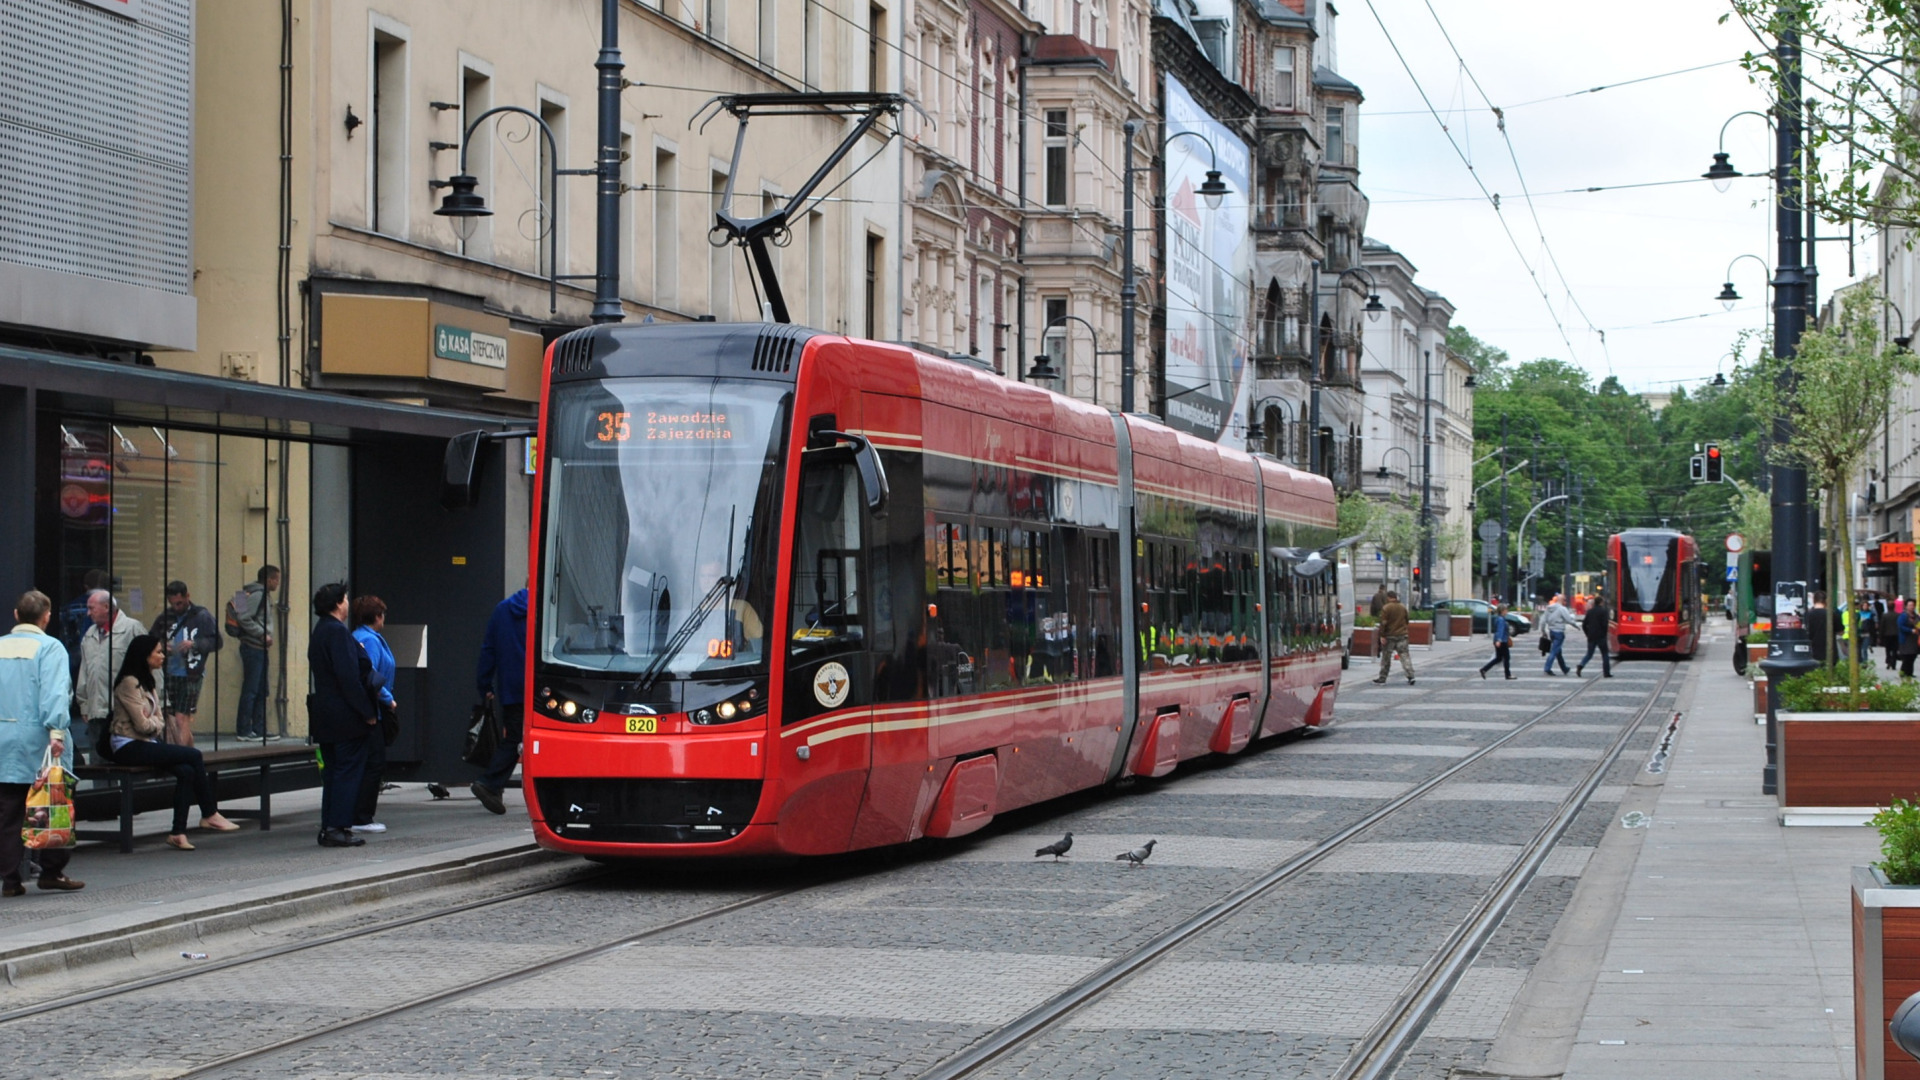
606, 270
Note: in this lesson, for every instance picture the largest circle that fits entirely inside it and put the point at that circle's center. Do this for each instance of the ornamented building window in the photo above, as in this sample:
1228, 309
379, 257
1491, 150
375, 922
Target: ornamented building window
1283, 78
1056, 157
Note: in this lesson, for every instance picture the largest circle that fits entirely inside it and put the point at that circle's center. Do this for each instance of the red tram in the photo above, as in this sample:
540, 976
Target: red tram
1654, 584
797, 593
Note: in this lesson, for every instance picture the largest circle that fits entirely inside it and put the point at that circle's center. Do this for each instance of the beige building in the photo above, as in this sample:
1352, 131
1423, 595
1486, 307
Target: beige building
276, 383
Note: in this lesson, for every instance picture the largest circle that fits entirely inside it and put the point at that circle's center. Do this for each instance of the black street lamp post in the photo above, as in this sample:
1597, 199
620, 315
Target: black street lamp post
1042, 369
1374, 308
1256, 428
1213, 190
1789, 652
465, 205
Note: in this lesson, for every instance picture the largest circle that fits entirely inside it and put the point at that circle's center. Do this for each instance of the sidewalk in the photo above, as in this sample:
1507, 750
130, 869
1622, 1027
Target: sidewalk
155, 887
1731, 954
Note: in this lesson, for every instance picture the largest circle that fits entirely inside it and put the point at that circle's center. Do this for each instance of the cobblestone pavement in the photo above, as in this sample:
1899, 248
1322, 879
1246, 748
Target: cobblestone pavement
884, 966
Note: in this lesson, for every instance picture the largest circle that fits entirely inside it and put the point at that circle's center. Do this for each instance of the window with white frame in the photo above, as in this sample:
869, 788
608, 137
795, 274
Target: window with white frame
1055, 141
1283, 78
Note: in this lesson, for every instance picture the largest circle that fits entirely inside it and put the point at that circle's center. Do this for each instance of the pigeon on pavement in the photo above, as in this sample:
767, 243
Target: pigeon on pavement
438, 790
1137, 855
1057, 848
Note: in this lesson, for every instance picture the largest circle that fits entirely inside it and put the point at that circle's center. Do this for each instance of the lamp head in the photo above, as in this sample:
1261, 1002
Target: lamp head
1042, 370
1719, 378
1382, 473
1472, 381
1214, 190
1728, 297
1902, 342
1374, 307
1722, 173
464, 205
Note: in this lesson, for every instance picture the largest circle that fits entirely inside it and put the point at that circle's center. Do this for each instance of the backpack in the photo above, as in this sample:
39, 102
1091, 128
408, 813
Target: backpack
234, 603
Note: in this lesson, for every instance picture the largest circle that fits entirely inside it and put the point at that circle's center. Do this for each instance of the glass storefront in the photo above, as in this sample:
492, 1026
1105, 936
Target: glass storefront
149, 504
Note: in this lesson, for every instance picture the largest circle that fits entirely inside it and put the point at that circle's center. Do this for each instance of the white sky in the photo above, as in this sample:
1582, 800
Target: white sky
1632, 258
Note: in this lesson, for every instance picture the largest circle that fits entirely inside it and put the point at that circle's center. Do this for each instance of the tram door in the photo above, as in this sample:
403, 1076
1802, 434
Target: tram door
829, 665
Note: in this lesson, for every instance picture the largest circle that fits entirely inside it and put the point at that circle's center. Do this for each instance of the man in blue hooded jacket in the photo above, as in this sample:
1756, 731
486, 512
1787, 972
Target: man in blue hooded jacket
503, 677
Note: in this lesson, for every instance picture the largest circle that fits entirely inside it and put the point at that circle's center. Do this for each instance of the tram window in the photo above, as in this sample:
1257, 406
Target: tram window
825, 606
951, 555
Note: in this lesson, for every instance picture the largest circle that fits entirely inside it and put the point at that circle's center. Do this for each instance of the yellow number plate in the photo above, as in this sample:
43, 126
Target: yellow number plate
642, 725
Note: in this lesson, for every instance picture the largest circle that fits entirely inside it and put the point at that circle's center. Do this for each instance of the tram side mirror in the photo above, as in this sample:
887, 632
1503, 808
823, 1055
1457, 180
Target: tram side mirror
873, 475
460, 474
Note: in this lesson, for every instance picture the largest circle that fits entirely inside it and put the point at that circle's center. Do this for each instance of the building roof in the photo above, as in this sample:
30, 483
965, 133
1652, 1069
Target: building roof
1328, 79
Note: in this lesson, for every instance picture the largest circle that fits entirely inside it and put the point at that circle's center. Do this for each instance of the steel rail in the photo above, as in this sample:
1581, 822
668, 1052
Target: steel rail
117, 989
997, 1045
1380, 1051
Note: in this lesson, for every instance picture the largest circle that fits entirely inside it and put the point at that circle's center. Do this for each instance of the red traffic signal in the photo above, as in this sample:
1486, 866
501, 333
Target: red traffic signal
1714, 464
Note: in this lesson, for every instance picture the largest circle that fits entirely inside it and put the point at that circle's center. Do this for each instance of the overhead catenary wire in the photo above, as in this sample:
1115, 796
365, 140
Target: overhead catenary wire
1471, 171
1506, 137
1578, 93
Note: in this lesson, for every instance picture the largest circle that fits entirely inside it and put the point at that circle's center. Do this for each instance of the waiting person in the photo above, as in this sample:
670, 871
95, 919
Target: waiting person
1890, 633
103, 648
1393, 638
342, 716
138, 726
1378, 602
1556, 622
1820, 628
502, 677
1594, 625
191, 636
252, 614
1502, 644
74, 619
369, 618
34, 705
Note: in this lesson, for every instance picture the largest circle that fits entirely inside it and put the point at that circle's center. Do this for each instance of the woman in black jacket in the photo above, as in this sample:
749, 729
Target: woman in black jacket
340, 714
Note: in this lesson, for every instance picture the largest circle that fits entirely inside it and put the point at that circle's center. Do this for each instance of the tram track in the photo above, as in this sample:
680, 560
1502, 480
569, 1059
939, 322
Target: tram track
1376, 1054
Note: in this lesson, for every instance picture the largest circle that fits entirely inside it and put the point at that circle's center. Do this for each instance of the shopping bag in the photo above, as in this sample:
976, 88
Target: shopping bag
49, 821
483, 735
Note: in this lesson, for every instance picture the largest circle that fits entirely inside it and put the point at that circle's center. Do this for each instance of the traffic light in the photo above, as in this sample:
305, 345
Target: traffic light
1713, 463
1698, 467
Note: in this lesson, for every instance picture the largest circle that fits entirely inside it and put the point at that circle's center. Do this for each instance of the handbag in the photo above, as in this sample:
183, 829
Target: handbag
1546, 646
389, 723
483, 735
49, 818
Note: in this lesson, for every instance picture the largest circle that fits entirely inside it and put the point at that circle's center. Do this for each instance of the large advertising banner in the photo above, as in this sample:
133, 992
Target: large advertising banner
1209, 263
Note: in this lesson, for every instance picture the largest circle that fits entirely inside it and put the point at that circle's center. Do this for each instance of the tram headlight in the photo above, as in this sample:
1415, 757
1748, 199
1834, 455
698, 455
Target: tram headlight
726, 710
568, 708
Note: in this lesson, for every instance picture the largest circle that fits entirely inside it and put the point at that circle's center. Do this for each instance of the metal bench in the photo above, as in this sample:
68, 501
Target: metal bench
128, 777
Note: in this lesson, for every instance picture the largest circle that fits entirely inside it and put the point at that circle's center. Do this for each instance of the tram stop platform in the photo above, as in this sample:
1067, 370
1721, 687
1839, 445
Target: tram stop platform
156, 895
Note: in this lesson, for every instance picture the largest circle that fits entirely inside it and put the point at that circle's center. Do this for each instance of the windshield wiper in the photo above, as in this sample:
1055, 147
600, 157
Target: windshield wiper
699, 615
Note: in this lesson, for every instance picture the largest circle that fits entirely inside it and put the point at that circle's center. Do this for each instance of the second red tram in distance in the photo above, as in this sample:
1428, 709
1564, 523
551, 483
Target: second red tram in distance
798, 593
1654, 585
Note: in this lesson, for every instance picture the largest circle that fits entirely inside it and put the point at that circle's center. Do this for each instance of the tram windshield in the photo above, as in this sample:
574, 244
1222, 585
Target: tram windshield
1647, 573
661, 515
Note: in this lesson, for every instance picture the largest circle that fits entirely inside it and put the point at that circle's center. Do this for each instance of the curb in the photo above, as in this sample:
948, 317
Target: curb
167, 931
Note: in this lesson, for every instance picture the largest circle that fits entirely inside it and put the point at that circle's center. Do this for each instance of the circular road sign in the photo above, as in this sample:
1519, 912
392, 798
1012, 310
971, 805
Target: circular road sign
1736, 543
1490, 530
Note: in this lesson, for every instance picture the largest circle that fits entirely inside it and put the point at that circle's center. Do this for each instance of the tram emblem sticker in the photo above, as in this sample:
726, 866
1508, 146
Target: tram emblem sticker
831, 684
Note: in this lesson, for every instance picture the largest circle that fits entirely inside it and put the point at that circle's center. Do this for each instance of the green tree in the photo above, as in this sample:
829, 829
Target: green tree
1842, 381
1858, 82
1489, 362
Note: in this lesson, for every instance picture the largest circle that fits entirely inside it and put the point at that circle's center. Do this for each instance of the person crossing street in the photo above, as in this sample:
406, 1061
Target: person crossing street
1502, 645
1393, 638
1594, 625
1557, 621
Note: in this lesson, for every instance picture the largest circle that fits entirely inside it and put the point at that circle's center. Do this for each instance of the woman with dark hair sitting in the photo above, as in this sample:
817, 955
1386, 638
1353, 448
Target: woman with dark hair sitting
138, 724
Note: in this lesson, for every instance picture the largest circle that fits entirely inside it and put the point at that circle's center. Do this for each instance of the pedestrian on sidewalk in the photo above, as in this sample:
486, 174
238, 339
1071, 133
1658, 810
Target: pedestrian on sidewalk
1502, 644
34, 706
139, 728
1556, 622
1594, 625
191, 636
250, 620
1393, 638
74, 618
103, 648
1909, 639
1820, 628
1890, 634
369, 618
502, 677
1379, 600
340, 714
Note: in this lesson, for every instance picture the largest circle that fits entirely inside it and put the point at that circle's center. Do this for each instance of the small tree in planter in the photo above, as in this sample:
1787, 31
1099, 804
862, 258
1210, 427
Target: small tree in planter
1837, 398
1899, 826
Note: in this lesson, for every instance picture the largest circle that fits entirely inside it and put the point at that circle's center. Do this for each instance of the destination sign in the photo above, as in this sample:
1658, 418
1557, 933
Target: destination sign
653, 425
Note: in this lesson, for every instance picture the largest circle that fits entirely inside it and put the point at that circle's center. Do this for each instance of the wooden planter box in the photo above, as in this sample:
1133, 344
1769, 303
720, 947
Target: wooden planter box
1363, 640
1755, 654
1759, 695
1462, 625
1886, 968
1840, 768
1420, 632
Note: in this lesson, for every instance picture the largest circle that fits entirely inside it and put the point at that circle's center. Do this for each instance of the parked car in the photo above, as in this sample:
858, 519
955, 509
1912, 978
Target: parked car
1482, 613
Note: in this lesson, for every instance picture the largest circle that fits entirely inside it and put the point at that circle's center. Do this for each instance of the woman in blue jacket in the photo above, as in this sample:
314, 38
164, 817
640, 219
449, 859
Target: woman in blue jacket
369, 618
